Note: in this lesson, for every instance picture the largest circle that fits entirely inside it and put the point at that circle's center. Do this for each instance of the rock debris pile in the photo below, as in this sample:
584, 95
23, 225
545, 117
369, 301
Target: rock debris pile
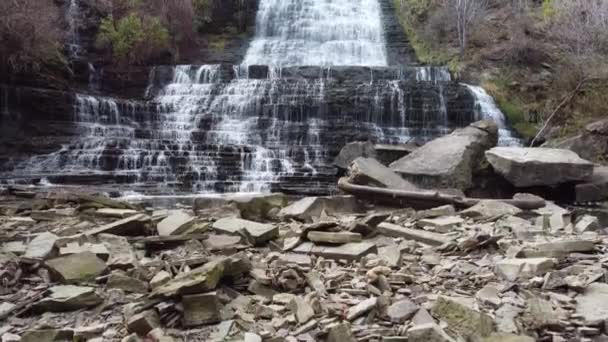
344, 268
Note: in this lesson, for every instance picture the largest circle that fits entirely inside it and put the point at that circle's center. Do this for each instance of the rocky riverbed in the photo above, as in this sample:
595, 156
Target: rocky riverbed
406, 256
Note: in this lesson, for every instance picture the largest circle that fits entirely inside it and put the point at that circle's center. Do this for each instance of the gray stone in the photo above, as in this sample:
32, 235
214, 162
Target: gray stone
428, 333
218, 242
340, 332
309, 209
594, 189
68, 298
6, 307
334, 237
349, 251
525, 167
353, 151
553, 217
441, 224
502, 337
488, 295
449, 161
201, 309
592, 304
490, 209
98, 249
422, 317
251, 337
361, 309
505, 318
42, 246
258, 232
204, 278
14, 247
159, 279
132, 225
121, 253
587, 223
429, 238
74, 268
302, 309
514, 269
113, 212
522, 228
314, 280
142, 323
444, 210
462, 318
258, 206
401, 311
388, 153
48, 335
176, 223
556, 248
119, 280
369, 172
391, 254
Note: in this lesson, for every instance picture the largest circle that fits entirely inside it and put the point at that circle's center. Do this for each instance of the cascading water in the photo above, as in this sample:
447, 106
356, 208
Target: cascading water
487, 109
314, 78
313, 32
73, 45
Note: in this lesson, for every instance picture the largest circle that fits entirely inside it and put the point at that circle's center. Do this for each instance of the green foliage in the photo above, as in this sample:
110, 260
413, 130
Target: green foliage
548, 9
133, 38
202, 11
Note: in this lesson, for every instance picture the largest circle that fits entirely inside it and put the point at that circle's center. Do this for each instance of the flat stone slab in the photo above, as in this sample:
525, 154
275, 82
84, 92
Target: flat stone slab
80, 267
558, 248
201, 309
334, 237
176, 223
369, 172
490, 209
42, 246
525, 167
429, 238
131, 225
349, 251
592, 304
309, 209
113, 212
68, 298
259, 232
514, 269
442, 224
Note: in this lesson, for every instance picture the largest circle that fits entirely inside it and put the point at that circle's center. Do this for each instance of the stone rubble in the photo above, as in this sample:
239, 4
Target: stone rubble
319, 269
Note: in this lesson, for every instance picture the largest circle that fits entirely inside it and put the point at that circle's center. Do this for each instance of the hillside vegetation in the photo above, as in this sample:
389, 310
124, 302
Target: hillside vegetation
541, 60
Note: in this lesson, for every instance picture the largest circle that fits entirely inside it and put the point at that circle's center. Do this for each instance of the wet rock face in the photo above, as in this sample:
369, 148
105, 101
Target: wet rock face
124, 141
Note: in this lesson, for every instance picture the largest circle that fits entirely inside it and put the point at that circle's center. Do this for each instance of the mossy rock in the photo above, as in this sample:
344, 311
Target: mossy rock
462, 319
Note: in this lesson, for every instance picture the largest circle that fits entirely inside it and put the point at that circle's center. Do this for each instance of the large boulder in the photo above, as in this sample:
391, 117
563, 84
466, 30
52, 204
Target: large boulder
591, 144
524, 167
368, 171
353, 151
449, 161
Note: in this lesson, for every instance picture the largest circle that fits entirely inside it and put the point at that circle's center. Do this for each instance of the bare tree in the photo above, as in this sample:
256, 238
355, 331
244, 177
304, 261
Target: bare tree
466, 13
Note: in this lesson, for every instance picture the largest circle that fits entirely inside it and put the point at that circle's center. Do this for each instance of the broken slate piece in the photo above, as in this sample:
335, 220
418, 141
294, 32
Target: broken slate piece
401, 311
514, 269
592, 304
340, 332
349, 251
142, 323
175, 224
42, 246
132, 225
333, 237
74, 268
441, 224
490, 209
429, 332
429, 238
462, 318
201, 309
302, 309
361, 309
259, 232
119, 280
68, 298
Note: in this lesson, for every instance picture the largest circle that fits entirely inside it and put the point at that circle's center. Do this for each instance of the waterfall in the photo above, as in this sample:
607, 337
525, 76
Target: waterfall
318, 32
486, 109
73, 12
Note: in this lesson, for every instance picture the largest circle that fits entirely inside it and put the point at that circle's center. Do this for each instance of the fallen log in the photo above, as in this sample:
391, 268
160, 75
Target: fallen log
424, 199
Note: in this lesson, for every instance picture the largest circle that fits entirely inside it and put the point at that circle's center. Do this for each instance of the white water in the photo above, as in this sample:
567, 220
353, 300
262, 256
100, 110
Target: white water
487, 109
318, 32
74, 48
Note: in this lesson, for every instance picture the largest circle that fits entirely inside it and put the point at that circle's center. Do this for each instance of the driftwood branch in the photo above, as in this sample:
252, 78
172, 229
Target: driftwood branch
425, 198
565, 101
